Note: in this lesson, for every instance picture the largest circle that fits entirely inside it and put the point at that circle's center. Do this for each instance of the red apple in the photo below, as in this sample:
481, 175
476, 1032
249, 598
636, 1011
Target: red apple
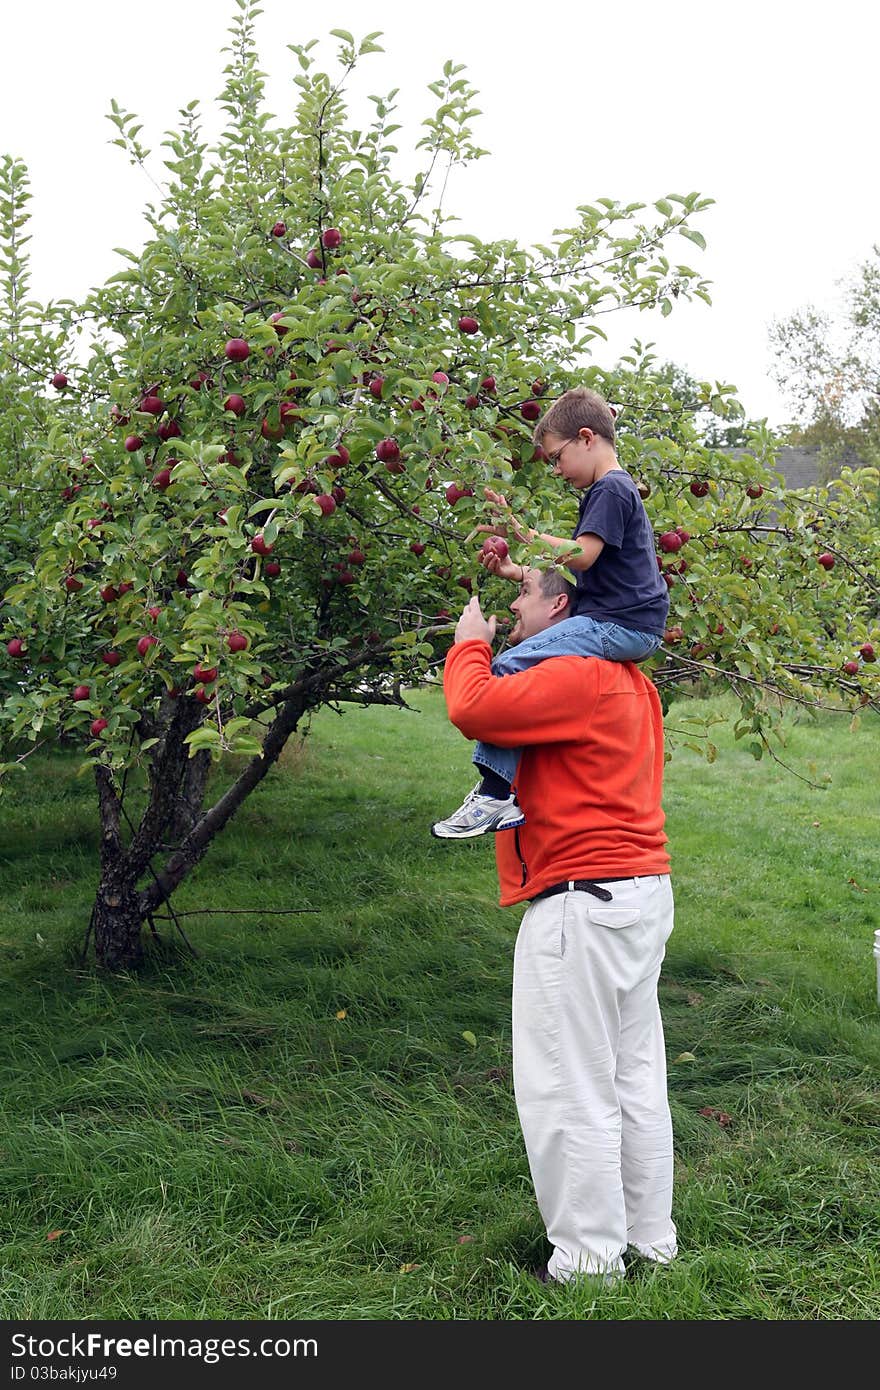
673, 635
133, 442
851, 668
331, 238
441, 378
339, 459
279, 229
754, 490
826, 560
72, 584
181, 579
237, 350
162, 479
488, 384
338, 493
125, 586
15, 647
97, 727
866, 652
699, 487
375, 387
466, 324
154, 610
539, 387
199, 380
326, 504
145, 643
496, 545
388, 451
529, 410
151, 405
202, 695
110, 658
272, 570
313, 259
81, 692
204, 674
109, 593
59, 381
418, 547
169, 429
471, 402
465, 582
670, 542
357, 557
259, 546
235, 403
237, 642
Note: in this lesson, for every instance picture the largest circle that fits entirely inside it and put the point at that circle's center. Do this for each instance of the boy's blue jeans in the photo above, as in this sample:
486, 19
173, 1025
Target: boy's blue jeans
582, 636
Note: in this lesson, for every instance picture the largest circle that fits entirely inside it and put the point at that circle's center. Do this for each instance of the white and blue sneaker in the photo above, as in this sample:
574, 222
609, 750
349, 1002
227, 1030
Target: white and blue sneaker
479, 814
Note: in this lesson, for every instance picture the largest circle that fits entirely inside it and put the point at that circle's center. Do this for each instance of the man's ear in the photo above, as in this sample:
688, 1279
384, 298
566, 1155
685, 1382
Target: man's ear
559, 605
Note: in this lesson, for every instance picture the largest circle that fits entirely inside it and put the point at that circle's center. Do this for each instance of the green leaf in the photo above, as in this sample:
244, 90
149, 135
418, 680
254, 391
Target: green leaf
692, 235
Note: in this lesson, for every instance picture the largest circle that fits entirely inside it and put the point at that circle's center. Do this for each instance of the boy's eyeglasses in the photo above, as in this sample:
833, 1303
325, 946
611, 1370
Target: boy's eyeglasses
554, 458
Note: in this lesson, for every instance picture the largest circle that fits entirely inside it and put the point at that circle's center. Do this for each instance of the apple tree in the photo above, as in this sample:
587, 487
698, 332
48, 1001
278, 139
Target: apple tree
258, 487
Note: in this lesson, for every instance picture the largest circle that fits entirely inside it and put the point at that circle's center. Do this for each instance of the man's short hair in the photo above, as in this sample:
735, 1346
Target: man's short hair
553, 582
578, 409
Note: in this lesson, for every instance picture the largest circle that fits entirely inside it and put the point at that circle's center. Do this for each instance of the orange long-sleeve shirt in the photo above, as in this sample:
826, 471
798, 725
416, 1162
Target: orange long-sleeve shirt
590, 779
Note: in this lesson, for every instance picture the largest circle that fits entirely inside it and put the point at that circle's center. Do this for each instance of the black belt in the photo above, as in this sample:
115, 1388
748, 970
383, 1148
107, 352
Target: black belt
580, 885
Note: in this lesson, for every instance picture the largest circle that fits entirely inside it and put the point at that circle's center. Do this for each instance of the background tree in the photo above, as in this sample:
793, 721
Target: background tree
830, 367
257, 489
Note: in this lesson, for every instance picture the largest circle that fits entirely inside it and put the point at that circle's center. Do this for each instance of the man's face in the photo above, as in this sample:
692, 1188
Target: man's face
534, 611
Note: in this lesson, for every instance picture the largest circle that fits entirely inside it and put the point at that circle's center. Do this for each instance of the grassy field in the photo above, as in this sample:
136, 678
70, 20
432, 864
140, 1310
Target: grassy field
295, 1125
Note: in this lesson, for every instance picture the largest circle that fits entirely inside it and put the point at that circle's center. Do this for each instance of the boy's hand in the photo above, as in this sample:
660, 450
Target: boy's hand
472, 626
505, 514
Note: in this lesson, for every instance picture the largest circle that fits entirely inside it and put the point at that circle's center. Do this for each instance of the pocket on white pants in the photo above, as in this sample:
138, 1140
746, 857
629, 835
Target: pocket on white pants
615, 917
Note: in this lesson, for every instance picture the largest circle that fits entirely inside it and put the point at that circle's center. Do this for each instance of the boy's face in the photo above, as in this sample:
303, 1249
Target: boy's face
572, 459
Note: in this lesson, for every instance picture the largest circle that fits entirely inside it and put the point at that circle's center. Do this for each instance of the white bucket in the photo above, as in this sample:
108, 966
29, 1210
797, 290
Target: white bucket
877, 959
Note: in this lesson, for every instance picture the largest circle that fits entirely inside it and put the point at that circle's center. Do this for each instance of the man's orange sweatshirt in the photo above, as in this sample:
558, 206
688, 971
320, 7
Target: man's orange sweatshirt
590, 779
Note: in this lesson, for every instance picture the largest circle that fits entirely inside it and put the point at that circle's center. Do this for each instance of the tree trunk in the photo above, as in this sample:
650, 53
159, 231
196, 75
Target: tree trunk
191, 796
118, 927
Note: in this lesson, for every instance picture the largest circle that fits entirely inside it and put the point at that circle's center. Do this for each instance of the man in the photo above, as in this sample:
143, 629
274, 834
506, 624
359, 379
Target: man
589, 1064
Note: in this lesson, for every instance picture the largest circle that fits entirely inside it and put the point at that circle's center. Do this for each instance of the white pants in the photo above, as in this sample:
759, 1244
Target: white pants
589, 1073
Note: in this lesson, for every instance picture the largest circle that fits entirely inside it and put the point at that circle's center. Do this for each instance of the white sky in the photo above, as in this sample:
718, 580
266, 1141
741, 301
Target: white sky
770, 108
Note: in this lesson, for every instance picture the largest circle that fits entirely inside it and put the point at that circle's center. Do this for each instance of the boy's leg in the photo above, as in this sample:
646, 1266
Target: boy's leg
583, 636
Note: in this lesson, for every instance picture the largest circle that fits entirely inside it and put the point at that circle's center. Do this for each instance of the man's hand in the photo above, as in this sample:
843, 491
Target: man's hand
473, 626
504, 569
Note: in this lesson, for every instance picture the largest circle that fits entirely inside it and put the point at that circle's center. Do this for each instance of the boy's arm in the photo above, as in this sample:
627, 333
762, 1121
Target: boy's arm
547, 704
589, 545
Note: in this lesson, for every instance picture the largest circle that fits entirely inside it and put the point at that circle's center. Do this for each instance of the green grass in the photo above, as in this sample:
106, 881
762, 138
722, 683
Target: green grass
215, 1142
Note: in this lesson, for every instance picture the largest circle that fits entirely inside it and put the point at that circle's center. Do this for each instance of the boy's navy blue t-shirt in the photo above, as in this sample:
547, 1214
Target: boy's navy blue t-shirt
624, 585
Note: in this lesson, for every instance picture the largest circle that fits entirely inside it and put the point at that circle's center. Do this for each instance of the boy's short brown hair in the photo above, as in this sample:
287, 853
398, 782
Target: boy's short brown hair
578, 409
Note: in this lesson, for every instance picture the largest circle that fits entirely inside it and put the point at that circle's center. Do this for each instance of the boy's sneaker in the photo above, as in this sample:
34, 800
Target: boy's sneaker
478, 814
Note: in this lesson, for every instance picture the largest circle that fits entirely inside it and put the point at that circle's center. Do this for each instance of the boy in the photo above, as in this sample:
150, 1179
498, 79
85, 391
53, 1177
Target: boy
621, 600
